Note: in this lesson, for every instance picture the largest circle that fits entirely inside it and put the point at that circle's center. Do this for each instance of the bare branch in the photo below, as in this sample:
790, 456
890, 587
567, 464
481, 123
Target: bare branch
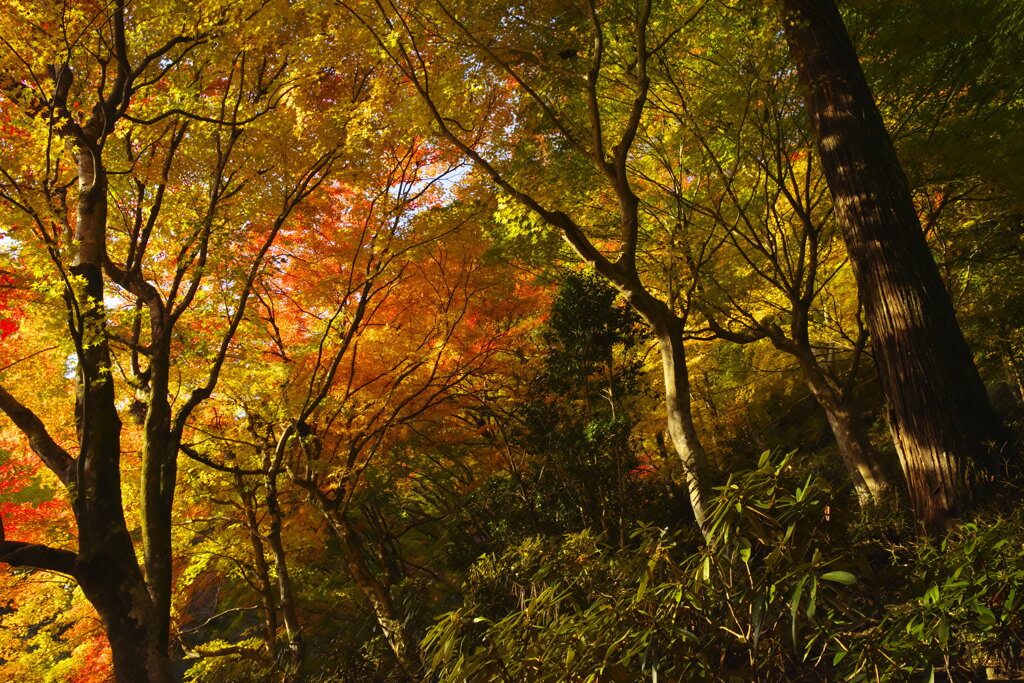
233, 610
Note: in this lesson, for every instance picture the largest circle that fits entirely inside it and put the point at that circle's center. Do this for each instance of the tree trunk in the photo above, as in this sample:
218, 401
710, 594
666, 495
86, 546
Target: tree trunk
668, 330
868, 478
113, 583
379, 595
869, 481
106, 567
261, 568
938, 410
158, 478
286, 596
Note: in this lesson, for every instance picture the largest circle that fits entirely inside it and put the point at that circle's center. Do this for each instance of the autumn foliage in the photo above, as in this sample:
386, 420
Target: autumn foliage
456, 341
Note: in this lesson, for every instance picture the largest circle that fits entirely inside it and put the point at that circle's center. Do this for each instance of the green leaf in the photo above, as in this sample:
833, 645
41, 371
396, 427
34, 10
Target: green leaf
794, 606
839, 576
986, 617
745, 550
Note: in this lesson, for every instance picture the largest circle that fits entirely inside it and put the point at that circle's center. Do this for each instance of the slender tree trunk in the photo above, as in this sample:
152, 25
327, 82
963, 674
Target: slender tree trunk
286, 596
261, 567
388, 617
939, 413
869, 481
668, 330
621, 272
868, 478
861, 461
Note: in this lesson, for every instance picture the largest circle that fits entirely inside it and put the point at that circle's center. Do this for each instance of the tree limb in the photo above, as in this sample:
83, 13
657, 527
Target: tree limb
49, 451
20, 554
36, 556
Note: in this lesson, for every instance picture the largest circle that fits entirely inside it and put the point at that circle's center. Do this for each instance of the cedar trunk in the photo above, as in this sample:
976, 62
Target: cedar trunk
938, 410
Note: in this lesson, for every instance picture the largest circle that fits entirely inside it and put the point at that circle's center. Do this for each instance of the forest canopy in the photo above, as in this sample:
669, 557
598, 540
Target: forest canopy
438, 340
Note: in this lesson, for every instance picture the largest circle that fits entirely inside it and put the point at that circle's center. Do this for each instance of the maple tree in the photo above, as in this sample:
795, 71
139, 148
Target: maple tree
150, 234
349, 340
371, 330
421, 373
592, 125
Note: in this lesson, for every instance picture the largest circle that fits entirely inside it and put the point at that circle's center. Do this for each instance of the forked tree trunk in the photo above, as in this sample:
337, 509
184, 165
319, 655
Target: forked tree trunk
106, 567
613, 162
861, 461
939, 413
869, 481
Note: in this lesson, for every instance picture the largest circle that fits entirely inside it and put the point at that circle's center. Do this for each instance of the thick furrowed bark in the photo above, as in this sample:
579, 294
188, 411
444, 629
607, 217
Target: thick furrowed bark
939, 413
